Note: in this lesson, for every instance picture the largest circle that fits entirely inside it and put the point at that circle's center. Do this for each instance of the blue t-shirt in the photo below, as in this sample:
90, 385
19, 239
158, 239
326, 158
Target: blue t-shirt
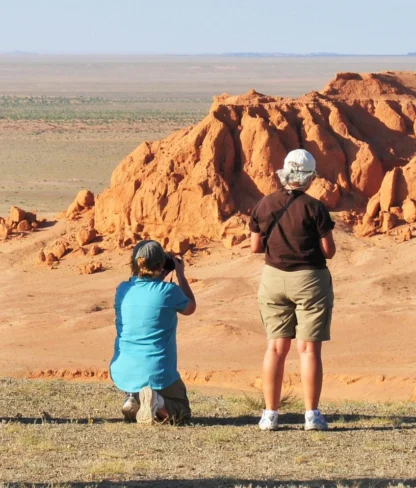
145, 347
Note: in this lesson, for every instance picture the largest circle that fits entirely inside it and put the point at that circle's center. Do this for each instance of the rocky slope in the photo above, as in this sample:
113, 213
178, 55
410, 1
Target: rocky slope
202, 181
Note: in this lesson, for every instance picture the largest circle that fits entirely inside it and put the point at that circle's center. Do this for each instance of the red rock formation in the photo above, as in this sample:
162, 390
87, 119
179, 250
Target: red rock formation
4, 232
329, 193
86, 236
388, 190
17, 215
83, 201
23, 226
18, 223
95, 249
396, 199
59, 250
189, 185
409, 211
406, 182
373, 206
90, 268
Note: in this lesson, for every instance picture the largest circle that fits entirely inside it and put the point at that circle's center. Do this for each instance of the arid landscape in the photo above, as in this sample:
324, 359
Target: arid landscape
180, 149
65, 119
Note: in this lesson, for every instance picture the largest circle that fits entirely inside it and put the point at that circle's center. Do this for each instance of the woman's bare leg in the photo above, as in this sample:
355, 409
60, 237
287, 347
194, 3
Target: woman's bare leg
273, 369
311, 372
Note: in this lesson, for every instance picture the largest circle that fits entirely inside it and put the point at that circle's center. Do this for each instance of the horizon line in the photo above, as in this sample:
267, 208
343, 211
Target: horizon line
202, 54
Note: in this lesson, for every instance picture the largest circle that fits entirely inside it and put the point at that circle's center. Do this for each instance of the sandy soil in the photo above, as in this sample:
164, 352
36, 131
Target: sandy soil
57, 323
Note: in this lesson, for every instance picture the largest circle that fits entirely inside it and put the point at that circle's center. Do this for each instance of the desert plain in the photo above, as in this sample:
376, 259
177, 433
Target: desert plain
66, 123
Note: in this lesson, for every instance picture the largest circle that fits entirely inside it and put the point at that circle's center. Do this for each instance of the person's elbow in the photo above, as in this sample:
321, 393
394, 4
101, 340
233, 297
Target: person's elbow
189, 309
330, 253
257, 249
328, 247
256, 244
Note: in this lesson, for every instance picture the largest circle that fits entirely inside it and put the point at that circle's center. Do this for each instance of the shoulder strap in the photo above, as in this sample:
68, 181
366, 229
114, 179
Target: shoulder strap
277, 216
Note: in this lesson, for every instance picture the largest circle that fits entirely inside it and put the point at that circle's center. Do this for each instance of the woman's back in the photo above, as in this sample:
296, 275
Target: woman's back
146, 320
293, 242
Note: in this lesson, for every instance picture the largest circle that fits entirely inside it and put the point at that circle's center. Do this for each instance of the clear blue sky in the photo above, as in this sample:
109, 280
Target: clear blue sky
202, 26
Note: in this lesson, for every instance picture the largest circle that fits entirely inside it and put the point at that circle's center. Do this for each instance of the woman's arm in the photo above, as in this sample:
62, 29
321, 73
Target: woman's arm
255, 242
184, 286
327, 245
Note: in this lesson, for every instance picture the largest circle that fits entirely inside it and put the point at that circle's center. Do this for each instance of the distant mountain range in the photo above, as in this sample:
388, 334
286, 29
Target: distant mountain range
306, 55
232, 54
20, 53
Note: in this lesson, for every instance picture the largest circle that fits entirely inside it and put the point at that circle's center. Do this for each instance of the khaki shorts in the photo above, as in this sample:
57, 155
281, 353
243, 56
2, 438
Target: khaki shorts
296, 304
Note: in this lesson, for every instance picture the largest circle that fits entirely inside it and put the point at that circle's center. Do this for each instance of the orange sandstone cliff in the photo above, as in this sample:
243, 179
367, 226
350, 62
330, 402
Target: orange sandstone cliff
202, 181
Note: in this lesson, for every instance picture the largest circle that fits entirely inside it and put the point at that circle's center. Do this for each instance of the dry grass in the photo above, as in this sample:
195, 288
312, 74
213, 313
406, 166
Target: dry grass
56, 433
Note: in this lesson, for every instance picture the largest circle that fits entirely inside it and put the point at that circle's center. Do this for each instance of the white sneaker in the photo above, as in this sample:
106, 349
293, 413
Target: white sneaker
268, 420
315, 421
150, 402
130, 407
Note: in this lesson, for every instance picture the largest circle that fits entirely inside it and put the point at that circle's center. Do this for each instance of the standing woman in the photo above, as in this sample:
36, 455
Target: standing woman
295, 295
144, 364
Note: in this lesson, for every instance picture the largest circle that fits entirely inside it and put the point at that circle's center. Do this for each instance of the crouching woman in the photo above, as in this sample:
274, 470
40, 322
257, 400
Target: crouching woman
144, 364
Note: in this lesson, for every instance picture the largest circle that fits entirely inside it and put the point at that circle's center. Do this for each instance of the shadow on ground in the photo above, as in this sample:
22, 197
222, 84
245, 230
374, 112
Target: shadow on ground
338, 423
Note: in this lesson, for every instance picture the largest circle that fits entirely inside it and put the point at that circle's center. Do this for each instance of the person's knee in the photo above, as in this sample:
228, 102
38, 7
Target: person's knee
279, 347
312, 349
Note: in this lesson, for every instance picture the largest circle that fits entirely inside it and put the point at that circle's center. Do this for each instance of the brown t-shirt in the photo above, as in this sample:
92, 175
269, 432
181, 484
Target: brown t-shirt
293, 243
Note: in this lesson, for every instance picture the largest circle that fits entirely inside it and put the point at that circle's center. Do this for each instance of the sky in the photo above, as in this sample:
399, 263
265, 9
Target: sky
207, 26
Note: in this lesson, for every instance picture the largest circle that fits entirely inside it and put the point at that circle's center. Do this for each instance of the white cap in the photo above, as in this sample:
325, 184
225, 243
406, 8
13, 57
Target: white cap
300, 160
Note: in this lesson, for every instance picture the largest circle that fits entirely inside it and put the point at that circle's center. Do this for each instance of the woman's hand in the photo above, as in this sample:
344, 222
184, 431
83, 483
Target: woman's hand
179, 266
184, 285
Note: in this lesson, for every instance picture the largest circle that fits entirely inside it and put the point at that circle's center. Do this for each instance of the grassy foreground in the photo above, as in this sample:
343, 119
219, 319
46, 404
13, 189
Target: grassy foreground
56, 433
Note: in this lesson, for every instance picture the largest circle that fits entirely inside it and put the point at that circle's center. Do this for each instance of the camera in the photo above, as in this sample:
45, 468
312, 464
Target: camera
170, 263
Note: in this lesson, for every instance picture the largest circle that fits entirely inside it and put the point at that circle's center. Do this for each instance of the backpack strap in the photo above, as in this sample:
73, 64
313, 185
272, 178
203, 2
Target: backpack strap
278, 215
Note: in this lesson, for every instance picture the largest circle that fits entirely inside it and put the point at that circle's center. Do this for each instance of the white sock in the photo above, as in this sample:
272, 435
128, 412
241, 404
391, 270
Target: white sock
311, 413
270, 412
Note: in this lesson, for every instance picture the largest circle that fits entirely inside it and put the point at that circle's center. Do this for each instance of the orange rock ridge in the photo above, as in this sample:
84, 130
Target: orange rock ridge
202, 181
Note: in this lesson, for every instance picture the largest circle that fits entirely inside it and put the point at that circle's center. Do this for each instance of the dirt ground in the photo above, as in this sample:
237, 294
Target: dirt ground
58, 323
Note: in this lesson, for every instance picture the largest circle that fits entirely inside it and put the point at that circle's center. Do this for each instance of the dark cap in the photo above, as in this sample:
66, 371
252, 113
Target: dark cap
152, 251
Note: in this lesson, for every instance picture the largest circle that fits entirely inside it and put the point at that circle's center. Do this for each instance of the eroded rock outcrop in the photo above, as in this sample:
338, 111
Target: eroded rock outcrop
360, 128
394, 204
54, 252
83, 201
85, 236
18, 223
90, 268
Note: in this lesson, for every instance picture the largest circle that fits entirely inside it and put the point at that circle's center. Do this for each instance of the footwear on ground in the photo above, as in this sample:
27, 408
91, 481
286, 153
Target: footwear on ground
130, 407
150, 403
269, 420
314, 420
